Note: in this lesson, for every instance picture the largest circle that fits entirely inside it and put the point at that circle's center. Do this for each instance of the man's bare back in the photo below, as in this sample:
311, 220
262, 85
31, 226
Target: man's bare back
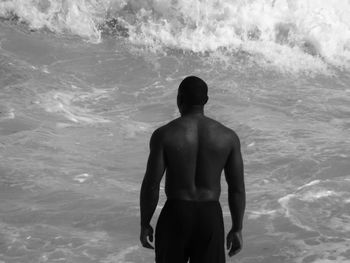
193, 150
196, 149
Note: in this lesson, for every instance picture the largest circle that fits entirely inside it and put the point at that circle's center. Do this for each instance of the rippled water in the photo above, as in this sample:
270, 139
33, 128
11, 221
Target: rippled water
77, 108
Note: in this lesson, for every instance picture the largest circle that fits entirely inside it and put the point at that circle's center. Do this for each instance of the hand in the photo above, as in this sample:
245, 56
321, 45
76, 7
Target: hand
146, 232
234, 242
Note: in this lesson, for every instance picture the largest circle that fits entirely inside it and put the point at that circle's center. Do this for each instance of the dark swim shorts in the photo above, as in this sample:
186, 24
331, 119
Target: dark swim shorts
190, 230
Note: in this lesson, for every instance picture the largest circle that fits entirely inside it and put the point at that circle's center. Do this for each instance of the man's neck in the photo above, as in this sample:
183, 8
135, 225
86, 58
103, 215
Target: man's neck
193, 110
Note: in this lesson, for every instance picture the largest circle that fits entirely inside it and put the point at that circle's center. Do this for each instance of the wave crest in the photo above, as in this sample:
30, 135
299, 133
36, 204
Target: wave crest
314, 28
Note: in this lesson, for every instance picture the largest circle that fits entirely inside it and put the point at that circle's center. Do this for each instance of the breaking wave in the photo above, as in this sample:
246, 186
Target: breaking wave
299, 31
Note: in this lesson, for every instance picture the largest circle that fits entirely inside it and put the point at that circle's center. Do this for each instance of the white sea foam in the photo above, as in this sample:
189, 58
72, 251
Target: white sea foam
292, 35
130, 128
6, 113
79, 16
314, 195
63, 103
309, 184
258, 214
81, 178
284, 202
318, 205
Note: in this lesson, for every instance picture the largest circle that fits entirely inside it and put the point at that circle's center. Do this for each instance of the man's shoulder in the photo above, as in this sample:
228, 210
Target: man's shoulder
169, 127
223, 128
217, 127
164, 129
224, 132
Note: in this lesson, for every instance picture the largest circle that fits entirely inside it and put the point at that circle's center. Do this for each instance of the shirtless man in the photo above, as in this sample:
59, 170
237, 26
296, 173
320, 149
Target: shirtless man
193, 150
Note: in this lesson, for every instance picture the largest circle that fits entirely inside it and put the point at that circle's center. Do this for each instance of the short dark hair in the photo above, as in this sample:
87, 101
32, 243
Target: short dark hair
194, 91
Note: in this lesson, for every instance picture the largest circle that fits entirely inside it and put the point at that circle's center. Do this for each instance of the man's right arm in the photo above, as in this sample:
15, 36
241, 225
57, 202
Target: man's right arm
234, 174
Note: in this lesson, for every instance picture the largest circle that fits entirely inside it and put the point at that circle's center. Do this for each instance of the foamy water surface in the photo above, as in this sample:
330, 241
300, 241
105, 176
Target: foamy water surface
84, 83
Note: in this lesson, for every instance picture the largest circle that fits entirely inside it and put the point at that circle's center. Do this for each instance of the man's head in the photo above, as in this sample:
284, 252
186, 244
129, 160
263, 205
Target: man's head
193, 91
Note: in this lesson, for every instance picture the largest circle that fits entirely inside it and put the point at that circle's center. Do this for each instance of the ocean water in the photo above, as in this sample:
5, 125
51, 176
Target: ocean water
83, 83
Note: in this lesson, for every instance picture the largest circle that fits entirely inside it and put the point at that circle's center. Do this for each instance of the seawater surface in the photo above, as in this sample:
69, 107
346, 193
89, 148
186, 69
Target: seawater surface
84, 83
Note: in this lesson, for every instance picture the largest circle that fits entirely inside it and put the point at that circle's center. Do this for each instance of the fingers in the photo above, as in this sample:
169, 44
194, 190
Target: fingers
234, 243
234, 250
228, 241
146, 234
146, 244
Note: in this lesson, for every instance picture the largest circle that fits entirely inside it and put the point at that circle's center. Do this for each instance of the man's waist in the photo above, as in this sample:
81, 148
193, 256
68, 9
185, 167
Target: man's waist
201, 195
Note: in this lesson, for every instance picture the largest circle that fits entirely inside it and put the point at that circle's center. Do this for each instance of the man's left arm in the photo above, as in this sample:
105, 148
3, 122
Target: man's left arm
150, 187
